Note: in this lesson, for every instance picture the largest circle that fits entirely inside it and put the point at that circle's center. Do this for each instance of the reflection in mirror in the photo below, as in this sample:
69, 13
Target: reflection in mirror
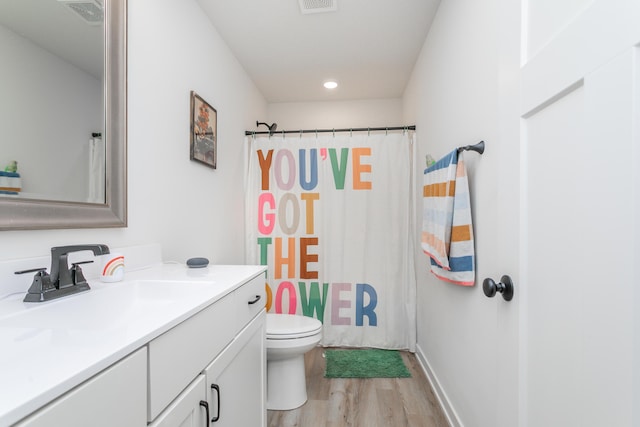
63, 118
53, 105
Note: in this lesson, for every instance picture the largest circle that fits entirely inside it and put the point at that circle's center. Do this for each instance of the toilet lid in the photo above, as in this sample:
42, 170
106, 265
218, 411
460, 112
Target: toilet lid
287, 326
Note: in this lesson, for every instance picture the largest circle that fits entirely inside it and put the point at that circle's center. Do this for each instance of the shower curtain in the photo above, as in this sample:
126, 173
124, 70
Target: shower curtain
332, 217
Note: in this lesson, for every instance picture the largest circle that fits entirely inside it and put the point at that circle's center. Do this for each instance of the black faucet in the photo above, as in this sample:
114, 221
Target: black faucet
63, 280
61, 275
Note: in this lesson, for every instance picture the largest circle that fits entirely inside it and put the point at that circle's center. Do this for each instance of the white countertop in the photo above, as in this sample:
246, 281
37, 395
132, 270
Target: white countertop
48, 348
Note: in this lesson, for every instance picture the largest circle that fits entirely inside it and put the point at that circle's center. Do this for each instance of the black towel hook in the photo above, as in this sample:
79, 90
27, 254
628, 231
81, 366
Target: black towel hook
478, 148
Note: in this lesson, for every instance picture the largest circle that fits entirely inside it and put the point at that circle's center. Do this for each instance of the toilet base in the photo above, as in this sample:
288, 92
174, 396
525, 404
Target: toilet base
286, 383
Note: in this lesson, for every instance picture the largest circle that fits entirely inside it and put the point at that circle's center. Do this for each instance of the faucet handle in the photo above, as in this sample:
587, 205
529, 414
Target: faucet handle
31, 270
76, 273
40, 285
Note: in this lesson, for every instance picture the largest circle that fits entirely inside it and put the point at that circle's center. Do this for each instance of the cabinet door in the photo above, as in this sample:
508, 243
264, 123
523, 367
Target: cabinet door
115, 397
236, 380
188, 410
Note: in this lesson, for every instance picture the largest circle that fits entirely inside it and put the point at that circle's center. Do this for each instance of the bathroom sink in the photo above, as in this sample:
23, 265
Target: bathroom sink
110, 306
158, 291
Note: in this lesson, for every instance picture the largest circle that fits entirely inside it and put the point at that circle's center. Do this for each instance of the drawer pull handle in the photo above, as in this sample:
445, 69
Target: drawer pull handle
216, 387
206, 408
255, 300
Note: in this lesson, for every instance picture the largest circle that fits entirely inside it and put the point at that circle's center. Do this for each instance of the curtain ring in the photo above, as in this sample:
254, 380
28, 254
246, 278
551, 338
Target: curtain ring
282, 134
334, 132
350, 132
300, 133
368, 131
316, 133
386, 131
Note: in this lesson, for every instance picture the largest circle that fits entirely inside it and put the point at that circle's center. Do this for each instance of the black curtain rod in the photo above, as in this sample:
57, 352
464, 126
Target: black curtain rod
478, 148
412, 127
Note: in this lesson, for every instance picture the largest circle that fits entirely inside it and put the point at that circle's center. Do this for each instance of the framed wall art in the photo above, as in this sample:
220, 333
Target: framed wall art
204, 131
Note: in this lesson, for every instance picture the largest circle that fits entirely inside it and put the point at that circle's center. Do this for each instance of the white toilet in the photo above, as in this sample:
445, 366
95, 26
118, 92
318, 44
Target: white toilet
289, 337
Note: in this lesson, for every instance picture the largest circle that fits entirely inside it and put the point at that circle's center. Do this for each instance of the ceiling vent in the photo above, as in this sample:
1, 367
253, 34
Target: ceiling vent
318, 6
90, 11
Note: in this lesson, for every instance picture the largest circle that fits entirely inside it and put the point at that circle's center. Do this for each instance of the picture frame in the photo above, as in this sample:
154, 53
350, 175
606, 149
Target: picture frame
204, 132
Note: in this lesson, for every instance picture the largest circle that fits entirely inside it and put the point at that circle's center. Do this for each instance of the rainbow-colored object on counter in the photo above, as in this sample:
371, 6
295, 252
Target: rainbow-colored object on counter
112, 267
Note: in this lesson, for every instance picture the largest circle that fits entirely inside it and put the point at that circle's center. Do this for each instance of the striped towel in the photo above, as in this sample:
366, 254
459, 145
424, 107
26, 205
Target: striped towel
447, 231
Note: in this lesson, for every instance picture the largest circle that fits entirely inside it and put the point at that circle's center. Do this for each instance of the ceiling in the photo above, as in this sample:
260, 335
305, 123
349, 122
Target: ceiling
368, 46
54, 27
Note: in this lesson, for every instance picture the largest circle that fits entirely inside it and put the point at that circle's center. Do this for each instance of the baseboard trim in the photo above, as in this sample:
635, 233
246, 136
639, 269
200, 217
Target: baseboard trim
441, 395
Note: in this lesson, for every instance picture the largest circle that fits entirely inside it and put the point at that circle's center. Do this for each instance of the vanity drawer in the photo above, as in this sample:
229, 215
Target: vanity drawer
250, 299
114, 397
179, 355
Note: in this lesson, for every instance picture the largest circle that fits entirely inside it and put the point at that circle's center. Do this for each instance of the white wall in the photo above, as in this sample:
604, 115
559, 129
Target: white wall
458, 96
335, 115
188, 208
55, 107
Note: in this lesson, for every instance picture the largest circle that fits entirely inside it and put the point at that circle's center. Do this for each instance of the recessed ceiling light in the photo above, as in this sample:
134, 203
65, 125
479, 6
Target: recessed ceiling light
330, 85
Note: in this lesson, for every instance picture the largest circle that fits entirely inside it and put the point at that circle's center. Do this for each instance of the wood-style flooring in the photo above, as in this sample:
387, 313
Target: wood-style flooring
367, 402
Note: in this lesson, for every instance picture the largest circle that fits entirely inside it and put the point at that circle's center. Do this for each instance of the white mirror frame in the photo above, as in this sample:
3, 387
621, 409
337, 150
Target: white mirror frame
17, 214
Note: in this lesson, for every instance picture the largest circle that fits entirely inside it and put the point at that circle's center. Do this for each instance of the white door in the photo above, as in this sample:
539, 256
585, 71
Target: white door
579, 125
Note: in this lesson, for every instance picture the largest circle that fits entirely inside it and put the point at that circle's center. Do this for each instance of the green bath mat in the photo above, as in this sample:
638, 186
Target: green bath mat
365, 363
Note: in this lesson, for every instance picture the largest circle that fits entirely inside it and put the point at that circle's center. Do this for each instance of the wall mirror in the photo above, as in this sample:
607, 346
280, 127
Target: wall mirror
63, 119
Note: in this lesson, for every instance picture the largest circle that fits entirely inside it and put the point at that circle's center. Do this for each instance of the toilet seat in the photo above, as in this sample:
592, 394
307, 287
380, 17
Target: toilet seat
290, 326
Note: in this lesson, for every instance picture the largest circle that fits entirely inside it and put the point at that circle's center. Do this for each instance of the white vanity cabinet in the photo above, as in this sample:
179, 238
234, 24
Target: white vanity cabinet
221, 346
141, 352
114, 397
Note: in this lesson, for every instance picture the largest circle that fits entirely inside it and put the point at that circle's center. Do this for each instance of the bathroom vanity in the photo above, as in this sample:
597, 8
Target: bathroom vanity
166, 346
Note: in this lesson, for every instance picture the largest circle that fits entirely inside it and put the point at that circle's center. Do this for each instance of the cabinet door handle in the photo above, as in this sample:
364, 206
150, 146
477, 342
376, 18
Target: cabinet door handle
206, 408
255, 300
216, 387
